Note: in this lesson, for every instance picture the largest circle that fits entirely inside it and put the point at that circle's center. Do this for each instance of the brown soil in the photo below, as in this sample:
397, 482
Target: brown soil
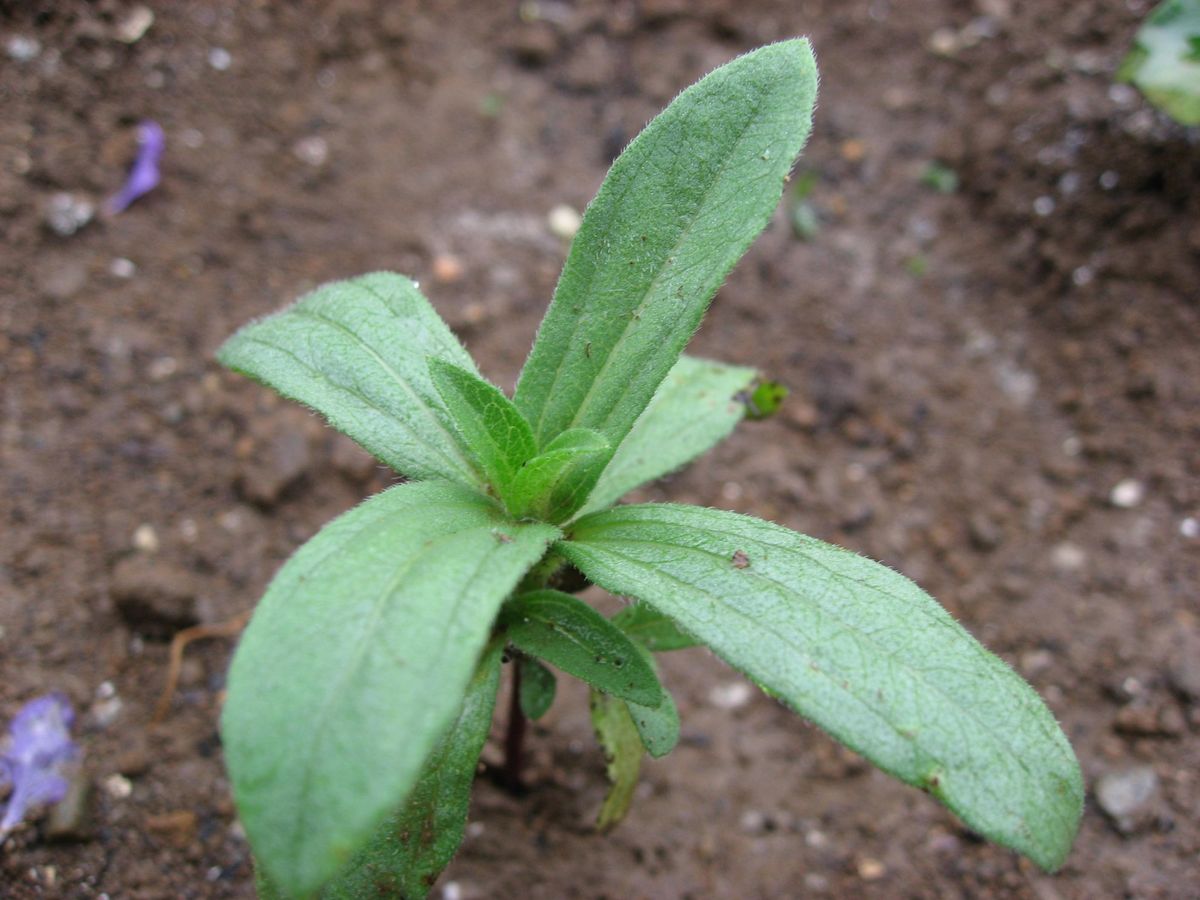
973, 374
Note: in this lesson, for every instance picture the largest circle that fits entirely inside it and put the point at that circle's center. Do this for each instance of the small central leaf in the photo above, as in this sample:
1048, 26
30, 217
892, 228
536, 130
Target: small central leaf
557, 482
493, 432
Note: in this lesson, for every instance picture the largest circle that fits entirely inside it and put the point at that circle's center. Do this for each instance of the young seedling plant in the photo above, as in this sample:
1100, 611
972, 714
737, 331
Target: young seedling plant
363, 690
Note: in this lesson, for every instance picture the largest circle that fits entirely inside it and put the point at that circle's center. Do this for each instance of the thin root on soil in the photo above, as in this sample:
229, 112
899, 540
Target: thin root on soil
228, 628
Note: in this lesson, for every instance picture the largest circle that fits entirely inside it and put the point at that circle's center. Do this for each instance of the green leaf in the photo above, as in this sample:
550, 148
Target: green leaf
407, 853
492, 431
538, 687
693, 409
356, 663
657, 727
567, 633
1165, 63
677, 210
355, 351
618, 736
555, 483
652, 629
860, 650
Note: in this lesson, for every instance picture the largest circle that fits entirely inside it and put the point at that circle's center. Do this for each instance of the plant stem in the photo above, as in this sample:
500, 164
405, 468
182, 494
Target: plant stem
514, 738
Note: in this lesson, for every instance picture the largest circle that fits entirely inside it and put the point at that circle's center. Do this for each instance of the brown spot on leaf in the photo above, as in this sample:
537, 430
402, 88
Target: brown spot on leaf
740, 559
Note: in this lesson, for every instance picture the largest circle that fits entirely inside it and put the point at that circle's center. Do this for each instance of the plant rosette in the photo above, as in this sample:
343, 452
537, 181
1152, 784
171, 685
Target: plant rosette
363, 689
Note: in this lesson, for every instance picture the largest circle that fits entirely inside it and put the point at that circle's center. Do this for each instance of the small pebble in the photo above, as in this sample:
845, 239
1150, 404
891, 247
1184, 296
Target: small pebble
564, 221
162, 368
1035, 662
134, 26
871, 869
944, 42
1068, 557
219, 58
754, 821
1127, 493
145, 538
22, 49
118, 786
1190, 527
313, 150
192, 138
63, 279
1125, 793
730, 695
853, 150
122, 268
280, 464
1043, 205
447, 268
65, 213
153, 596
106, 709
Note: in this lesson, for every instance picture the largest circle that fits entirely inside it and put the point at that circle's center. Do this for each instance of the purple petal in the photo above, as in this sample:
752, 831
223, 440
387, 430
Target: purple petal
144, 175
39, 747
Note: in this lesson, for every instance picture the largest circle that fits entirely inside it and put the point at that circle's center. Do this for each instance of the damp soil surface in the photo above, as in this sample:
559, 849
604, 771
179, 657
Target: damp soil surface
995, 389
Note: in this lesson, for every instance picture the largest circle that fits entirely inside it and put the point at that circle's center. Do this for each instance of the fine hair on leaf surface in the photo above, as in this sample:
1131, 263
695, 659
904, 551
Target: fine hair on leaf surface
361, 696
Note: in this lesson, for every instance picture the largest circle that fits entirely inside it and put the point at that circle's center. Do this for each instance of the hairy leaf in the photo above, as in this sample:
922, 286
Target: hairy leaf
652, 629
618, 736
356, 663
567, 633
406, 854
538, 687
492, 431
860, 650
355, 351
657, 727
556, 482
692, 410
678, 209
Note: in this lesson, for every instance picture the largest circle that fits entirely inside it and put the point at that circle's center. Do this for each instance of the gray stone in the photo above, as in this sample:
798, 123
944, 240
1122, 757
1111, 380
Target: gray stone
1183, 669
65, 214
276, 467
1126, 794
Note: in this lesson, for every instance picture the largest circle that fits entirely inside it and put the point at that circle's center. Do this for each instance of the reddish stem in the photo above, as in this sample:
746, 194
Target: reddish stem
514, 738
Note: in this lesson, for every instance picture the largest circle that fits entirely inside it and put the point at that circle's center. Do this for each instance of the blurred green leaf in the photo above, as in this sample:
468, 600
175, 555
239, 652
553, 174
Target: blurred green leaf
1164, 63
622, 745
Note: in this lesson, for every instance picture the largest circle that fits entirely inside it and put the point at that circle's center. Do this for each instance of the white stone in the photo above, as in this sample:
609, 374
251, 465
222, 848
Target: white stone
564, 221
730, 695
1127, 493
118, 786
145, 538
